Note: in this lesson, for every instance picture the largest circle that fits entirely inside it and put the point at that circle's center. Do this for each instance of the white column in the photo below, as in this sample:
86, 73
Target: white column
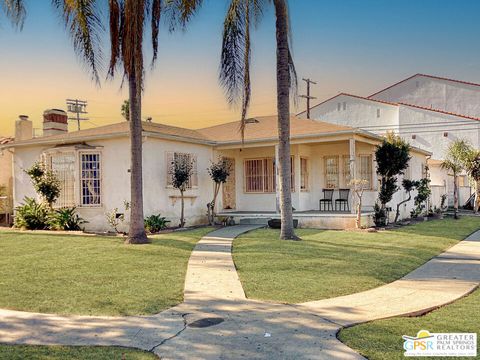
353, 172
277, 183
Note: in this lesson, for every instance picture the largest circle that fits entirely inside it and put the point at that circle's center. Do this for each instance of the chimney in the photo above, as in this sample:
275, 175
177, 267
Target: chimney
23, 128
55, 122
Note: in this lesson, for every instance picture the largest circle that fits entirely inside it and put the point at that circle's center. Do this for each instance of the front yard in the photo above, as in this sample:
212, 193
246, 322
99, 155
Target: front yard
333, 263
90, 275
382, 339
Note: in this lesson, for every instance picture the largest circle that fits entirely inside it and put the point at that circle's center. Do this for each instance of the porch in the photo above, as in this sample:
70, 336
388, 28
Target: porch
314, 219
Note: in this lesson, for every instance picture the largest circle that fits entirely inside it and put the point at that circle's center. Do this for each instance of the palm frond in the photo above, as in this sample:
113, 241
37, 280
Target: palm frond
180, 12
133, 31
83, 19
15, 11
116, 13
155, 24
291, 64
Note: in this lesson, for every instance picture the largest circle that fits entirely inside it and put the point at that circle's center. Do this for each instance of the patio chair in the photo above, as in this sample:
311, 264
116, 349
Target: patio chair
342, 200
327, 200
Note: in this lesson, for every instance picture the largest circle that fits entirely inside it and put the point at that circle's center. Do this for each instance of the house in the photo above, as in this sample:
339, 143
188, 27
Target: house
93, 166
428, 111
6, 182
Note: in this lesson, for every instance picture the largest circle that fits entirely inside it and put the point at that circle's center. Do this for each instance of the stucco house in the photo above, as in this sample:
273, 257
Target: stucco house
93, 166
6, 182
428, 111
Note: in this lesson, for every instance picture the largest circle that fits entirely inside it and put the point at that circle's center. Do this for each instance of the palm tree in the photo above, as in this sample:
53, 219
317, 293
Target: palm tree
454, 162
14, 10
235, 78
127, 23
471, 163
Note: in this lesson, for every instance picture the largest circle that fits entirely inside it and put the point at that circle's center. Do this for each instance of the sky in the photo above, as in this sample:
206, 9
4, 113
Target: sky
354, 46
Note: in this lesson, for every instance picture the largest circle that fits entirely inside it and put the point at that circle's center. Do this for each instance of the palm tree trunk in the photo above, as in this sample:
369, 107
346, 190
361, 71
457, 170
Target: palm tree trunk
455, 196
283, 109
136, 233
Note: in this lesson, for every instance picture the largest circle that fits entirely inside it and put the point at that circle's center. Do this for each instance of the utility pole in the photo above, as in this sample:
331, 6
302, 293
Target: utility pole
77, 107
308, 97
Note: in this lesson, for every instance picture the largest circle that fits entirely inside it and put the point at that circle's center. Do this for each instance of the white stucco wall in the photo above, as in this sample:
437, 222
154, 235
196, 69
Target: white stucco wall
434, 93
116, 180
358, 113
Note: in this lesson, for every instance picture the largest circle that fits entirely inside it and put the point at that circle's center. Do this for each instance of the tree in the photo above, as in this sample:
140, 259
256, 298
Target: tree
15, 11
219, 173
471, 163
454, 162
359, 186
127, 23
423, 193
181, 171
392, 158
408, 186
126, 110
235, 78
45, 183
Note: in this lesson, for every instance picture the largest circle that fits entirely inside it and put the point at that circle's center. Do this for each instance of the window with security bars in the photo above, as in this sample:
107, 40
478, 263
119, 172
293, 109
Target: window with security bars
331, 172
90, 182
347, 177
365, 168
172, 157
304, 174
260, 175
63, 165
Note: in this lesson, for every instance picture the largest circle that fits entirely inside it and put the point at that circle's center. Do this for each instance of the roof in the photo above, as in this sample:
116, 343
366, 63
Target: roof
441, 111
428, 76
266, 128
354, 96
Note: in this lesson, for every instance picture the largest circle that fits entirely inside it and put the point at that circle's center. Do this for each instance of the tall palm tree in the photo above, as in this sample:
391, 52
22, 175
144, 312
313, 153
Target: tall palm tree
14, 10
235, 78
127, 24
454, 162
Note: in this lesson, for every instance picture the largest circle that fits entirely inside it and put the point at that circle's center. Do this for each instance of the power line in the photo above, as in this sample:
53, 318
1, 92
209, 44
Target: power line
308, 97
77, 107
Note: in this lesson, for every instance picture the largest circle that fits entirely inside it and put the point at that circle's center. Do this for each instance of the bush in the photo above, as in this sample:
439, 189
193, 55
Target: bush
32, 215
155, 223
379, 216
65, 219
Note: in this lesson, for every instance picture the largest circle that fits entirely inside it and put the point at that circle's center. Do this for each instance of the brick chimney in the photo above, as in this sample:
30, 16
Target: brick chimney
23, 128
55, 122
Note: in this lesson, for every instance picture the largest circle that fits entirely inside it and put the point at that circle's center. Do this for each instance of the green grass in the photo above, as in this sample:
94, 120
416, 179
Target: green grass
93, 275
22, 352
333, 263
382, 339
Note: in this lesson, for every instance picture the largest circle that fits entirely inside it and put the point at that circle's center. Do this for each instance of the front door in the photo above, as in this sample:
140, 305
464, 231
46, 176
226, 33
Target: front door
228, 193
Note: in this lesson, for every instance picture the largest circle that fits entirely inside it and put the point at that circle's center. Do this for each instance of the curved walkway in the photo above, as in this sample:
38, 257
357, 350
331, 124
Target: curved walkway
216, 321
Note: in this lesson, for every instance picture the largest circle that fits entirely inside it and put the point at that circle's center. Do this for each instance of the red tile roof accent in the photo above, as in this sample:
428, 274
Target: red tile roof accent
441, 111
428, 76
351, 95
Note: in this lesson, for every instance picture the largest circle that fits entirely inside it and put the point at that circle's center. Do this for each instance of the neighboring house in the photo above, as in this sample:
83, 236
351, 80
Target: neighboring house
428, 111
93, 166
6, 181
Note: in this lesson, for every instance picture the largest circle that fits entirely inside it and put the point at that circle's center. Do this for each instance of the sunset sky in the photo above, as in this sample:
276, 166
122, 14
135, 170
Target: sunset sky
346, 46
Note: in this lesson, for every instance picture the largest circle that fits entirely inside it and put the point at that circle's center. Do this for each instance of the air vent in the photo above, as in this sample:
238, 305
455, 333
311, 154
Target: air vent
251, 121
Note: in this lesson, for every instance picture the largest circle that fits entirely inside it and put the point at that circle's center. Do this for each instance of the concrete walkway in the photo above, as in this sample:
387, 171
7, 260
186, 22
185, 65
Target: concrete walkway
216, 321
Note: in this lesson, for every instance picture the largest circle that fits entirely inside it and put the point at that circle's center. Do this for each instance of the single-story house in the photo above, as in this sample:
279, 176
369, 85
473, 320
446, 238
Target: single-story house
93, 166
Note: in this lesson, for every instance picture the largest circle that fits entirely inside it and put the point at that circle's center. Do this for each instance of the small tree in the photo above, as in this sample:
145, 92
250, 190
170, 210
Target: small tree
219, 172
472, 166
358, 187
126, 110
392, 158
423, 193
408, 186
454, 162
45, 183
182, 170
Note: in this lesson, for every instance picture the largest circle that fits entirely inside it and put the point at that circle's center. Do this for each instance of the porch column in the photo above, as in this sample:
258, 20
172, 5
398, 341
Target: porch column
353, 172
277, 183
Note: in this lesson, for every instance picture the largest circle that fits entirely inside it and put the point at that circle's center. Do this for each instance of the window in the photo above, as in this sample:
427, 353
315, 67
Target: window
63, 164
378, 113
365, 168
175, 156
259, 175
90, 184
344, 105
331, 172
339, 106
346, 170
304, 174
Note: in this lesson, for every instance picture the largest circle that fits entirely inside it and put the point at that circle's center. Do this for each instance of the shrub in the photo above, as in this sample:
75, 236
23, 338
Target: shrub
45, 182
65, 219
155, 223
31, 215
379, 216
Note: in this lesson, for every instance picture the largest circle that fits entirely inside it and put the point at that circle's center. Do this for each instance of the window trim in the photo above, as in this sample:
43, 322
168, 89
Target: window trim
325, 158
302, 175
79, 167
264, 160
359, 156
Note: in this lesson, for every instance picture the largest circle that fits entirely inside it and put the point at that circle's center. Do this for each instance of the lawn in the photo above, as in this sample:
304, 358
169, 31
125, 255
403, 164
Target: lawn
92, 275
333, 263
382, 339
21, 352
